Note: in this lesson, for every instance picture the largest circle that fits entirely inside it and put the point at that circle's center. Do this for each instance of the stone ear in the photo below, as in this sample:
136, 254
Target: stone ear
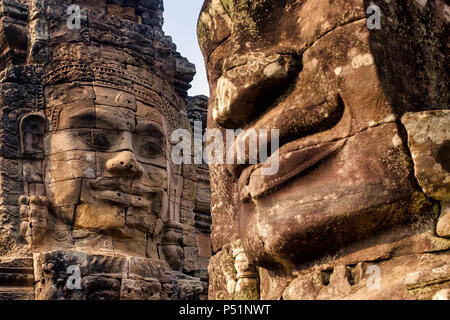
32, 129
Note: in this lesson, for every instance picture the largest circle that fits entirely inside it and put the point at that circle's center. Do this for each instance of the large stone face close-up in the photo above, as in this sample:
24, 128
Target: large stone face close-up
92, 207
359, 93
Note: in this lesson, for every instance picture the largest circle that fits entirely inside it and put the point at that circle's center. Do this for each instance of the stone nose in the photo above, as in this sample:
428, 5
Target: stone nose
124, 164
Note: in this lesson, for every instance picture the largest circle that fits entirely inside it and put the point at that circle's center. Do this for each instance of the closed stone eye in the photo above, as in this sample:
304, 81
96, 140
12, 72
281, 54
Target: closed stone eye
152, 149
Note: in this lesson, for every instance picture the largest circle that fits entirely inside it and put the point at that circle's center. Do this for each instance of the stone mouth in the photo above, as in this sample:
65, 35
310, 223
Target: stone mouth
291, 164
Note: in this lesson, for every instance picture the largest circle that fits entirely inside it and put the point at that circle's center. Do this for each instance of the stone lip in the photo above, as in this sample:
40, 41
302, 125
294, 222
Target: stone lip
16, 279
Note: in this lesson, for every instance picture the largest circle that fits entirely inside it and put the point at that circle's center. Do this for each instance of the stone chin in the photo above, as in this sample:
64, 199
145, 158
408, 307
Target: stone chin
363, 188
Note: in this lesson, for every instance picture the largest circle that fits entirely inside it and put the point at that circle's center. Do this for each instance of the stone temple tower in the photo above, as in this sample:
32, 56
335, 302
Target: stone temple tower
91, 204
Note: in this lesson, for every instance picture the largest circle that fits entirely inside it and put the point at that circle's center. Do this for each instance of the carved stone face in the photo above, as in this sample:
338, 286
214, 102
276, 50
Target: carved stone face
89, 95
105, 164
307, 69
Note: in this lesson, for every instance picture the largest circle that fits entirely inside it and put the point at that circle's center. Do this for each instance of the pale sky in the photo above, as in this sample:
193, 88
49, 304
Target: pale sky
180, 22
